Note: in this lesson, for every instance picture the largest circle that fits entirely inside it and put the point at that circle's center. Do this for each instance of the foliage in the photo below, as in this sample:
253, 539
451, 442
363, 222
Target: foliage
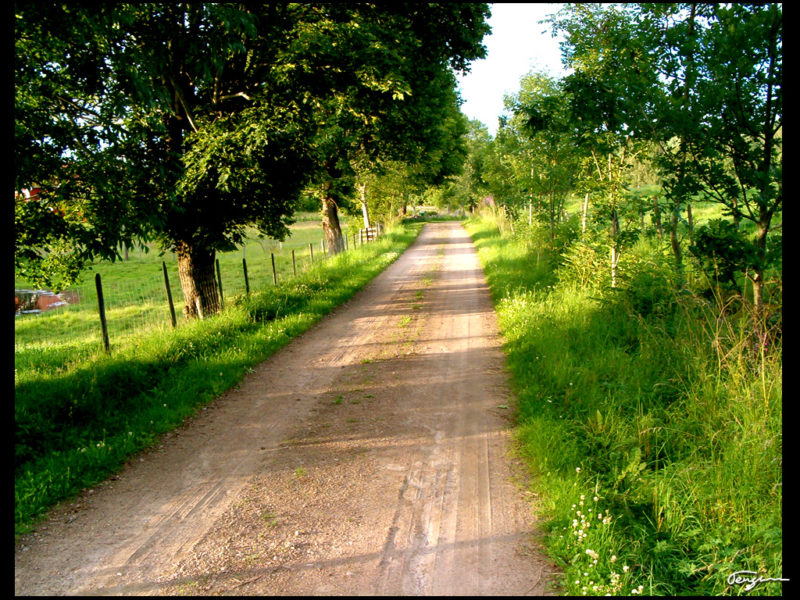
390, 97
720, 110
189, 123
650, 424
665, 106
173, 119
549, 163
723, 251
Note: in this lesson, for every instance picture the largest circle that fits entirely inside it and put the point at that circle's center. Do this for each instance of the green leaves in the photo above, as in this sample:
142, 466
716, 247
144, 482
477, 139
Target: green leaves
723, 251
186, 122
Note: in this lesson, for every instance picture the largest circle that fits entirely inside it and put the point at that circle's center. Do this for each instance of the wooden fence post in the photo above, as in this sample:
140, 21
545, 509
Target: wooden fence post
219, 283
311, 248
169, 295
246, 281
102, 306
274, 274
294, 264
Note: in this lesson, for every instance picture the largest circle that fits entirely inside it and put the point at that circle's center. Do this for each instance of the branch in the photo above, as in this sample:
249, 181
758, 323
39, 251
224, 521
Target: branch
597, 164
82, 109
229, 96
179, 93
744, 121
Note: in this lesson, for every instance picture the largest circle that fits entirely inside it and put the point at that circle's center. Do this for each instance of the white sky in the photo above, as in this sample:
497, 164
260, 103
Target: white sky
518, 43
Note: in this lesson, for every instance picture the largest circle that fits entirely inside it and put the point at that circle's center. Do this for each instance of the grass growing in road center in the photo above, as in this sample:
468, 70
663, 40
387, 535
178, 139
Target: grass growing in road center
76, 425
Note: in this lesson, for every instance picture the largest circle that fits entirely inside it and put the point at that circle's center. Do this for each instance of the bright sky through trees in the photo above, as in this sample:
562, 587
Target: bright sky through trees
517, 44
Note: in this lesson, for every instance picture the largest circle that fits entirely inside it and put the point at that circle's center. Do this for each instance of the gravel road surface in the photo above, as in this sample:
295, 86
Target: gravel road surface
369, 456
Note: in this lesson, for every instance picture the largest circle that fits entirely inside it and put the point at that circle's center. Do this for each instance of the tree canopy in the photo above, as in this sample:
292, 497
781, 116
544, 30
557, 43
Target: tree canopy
184, 123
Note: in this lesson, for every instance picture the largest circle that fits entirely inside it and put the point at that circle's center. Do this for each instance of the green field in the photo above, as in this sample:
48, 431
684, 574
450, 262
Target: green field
135, 296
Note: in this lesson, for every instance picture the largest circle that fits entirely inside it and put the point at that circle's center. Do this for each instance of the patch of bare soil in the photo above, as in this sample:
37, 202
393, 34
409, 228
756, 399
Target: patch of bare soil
370, 456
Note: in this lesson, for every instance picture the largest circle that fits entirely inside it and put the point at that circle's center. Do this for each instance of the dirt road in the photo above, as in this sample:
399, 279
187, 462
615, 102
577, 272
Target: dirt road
369, 456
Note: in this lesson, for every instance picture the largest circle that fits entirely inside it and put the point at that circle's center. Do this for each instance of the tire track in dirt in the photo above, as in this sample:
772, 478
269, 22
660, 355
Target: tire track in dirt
369, 456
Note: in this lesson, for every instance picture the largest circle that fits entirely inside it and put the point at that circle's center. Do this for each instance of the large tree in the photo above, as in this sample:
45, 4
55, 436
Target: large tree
472, 184
387, 69
175, 122
546, 162
438, 160
605, 91
721, 106
704, 82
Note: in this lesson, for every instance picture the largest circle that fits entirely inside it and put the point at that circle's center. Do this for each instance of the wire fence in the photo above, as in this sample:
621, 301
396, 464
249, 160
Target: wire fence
136, 295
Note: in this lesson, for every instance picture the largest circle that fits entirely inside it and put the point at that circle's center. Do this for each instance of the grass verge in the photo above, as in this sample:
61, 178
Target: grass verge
77, 425
650, 424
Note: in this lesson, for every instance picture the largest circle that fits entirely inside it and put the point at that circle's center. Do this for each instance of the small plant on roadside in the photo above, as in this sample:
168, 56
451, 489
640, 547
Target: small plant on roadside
591, 541
270, 519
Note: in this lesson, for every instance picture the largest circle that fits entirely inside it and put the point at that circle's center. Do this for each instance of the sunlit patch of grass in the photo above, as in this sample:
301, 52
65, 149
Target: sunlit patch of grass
654, 402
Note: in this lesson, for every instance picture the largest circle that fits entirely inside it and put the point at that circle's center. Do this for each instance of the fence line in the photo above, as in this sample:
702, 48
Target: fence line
126, 307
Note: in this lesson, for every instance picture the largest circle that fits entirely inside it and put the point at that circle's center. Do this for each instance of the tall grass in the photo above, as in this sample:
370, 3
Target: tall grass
650, 420
79, 421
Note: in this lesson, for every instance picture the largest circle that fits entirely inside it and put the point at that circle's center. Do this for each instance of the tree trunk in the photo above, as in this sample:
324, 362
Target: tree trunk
641, 212
758, 273
676, 245
758, 295
614, 247
364, 209
331, 227
690, 221
657, 218
198, 281
585, 212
